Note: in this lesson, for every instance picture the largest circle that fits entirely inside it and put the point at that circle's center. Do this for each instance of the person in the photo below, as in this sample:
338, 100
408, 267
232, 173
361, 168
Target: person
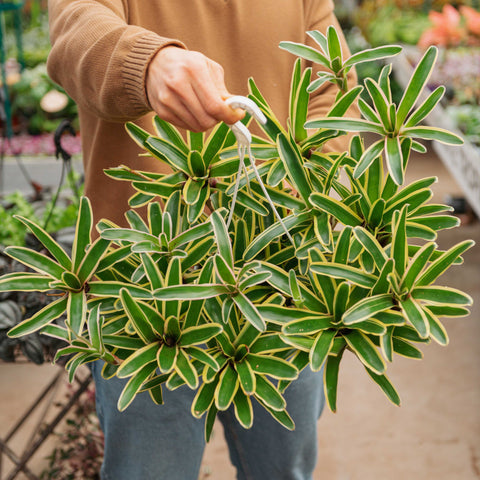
124, 60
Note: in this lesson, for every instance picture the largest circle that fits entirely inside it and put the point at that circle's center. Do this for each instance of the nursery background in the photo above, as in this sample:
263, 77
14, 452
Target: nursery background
48, 428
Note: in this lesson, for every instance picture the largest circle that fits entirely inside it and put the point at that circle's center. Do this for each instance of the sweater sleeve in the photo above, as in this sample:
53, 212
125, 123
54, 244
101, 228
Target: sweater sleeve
320, 17
99, 59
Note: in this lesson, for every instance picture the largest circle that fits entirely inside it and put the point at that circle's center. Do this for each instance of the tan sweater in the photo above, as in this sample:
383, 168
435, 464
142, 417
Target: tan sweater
101, 50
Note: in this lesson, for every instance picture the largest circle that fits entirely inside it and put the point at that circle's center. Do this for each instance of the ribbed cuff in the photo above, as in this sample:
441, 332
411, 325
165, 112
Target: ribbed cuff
135, 65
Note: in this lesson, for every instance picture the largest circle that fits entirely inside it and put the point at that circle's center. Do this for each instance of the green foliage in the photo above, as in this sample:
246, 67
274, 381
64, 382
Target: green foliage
236, 307
13, 232
27, 93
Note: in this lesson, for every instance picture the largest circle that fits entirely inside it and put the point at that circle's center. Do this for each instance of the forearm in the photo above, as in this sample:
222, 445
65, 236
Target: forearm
99, 59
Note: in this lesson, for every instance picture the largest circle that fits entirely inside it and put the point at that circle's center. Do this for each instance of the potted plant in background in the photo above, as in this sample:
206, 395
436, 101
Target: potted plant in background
235, 306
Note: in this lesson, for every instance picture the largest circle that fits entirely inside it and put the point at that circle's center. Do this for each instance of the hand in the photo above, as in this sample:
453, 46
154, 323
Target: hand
188, 90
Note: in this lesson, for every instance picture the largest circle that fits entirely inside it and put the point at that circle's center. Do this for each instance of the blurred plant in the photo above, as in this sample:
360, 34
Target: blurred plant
388, 23
17, 306
27, 95
38, 210
452, 27
236, 309
14, 308
467, 117
80, 452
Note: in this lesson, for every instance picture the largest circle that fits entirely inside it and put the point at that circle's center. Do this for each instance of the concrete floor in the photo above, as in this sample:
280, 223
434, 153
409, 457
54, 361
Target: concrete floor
435, 434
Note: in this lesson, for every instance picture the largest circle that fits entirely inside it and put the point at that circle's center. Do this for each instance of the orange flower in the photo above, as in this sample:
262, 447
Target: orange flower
446, 30
472, 18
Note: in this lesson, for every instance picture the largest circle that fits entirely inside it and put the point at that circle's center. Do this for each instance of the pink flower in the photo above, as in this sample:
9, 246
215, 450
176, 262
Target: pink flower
446, 30
472, 18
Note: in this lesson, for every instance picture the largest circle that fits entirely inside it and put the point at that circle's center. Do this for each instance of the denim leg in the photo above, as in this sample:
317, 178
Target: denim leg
148, 441
270, 451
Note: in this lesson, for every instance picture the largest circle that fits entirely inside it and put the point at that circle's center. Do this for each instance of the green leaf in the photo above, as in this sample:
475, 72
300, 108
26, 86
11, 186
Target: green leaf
416, 84
184, 368
380, 102
253, 280
368, 157
133, 386
306, 52
167, 152
399, 241
417, 264
406, 349
371, 245
191, 234
195, 211
293, 163
192, 191
92, 259
195, 140
365, 350
249, 311
384, 383
190, 292
203, 399
346, 124
224, 271
437, 330
441, 295
333, 44
170, 133
394, 158
112, 289
40, 319
199, 334
274, 231
136, 315
346, 272
268, 394
321, 348
166, 357
222, 238
138, 360
54, 248
272, 366
151, 189
299, 101
372, 54
334, 207
330, 376
215, 142
443, 262
227, 388
342, 105
246, 377
82, 232
416, 316
433, 133
24, 282
76, 312
306, 326
426, 107
210, 421
243, 409
37, 261
367, 308
447, 310
138, 134
202, 356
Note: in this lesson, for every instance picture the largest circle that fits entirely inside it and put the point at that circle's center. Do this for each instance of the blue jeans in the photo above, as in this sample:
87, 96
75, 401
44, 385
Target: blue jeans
152, 442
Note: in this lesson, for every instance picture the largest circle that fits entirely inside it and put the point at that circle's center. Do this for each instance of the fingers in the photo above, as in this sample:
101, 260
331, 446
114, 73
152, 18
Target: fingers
188, 89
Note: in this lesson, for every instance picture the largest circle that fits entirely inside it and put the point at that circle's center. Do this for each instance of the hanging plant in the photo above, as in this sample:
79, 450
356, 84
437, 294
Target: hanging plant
235, 307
